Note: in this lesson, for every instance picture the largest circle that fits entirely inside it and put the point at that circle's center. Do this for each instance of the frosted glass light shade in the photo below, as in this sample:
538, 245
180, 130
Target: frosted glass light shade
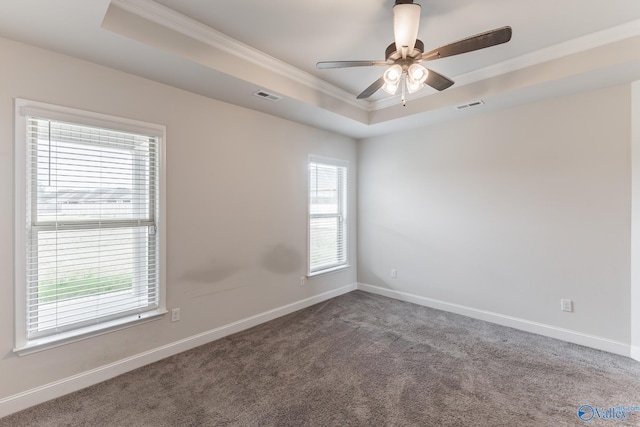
406, 20
413, 86
392, 79
417, 73
393, 74
391, 88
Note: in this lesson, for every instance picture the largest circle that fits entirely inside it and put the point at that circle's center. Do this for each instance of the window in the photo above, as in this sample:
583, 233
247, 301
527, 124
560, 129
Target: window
327, 215
88, 224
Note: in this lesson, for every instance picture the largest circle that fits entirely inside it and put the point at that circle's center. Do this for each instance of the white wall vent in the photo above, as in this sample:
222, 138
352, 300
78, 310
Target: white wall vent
470, 104
266, 95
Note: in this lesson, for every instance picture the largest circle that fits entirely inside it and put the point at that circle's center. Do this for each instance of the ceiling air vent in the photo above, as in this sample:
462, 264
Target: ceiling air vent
470, 104
267, 95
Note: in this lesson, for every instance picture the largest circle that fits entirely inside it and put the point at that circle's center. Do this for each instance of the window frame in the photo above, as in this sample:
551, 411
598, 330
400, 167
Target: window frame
341, 215
23, 109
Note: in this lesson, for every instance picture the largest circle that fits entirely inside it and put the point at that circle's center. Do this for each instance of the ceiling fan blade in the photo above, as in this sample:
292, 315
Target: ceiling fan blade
479, 41
406, 20
346, 64
438, 81
372, 89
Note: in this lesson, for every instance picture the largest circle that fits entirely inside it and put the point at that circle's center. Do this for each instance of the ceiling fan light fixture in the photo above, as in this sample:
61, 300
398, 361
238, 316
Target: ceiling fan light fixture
392, 79
413, 86
406, 20
393, 74
417, 73
391, 88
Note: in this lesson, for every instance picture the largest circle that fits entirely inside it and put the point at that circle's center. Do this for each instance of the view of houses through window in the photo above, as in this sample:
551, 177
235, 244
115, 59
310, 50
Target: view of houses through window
91, 224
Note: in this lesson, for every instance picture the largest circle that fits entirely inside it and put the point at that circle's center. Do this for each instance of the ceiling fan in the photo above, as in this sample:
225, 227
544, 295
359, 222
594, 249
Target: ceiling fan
403, 57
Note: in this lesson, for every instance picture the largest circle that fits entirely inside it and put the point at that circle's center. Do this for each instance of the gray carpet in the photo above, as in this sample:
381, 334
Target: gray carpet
361, 360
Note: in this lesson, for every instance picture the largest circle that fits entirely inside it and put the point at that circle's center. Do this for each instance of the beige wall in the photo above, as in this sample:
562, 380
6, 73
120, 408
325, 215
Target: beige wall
236, 208
504, 214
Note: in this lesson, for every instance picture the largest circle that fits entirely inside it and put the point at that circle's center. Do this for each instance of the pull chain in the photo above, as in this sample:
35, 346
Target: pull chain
404, 84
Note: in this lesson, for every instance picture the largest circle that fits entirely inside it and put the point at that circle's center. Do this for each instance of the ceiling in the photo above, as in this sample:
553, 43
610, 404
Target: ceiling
228, 50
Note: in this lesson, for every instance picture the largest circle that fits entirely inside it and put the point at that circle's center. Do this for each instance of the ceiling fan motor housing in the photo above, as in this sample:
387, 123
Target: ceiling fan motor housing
392, 55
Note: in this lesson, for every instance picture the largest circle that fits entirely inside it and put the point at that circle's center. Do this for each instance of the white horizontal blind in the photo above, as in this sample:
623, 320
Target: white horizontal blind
92, 246
327, 215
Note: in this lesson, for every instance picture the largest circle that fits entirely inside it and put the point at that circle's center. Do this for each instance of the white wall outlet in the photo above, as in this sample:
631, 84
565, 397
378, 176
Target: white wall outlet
394, 273
566, 305
303, 280
175, 315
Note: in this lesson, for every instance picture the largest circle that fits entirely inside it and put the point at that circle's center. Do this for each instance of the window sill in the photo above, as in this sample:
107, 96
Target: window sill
328, 271
45, 343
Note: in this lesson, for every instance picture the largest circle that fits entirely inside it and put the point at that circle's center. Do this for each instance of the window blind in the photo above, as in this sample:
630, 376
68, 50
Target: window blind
92, 211
327, 215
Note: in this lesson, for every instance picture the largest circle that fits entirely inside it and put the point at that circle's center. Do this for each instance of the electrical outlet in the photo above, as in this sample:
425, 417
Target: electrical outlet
175, 315
566, 305
394, 273
303, 280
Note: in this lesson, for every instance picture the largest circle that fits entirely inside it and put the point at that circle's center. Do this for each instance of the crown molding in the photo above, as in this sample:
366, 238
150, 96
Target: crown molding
570, 47
169, 18
579, 44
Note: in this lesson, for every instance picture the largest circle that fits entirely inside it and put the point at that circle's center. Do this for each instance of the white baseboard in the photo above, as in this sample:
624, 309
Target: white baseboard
635, 353
32, 397
513, 322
